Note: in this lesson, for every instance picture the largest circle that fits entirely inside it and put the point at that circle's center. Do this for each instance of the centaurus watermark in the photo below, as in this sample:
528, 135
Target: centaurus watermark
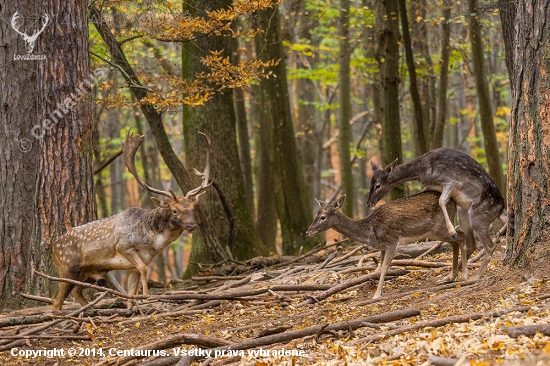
63, 108
30, 40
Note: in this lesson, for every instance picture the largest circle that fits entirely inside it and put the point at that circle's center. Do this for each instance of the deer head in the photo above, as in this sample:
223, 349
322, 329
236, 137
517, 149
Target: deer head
379, 182
29, 40
324, 218
180, 207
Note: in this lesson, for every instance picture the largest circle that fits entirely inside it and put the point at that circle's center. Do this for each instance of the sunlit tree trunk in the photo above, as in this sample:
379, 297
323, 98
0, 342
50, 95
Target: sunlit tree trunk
529, 154
45, 142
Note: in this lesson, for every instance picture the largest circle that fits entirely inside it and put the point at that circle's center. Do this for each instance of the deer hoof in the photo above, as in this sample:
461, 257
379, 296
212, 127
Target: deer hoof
455, 236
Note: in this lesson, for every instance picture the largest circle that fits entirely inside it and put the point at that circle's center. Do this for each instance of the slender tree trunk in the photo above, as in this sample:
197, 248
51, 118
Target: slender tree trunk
293, 205
529, 154
417, 126
345, 109
484, 98
508, 11
439, 126
391, 125
45, 141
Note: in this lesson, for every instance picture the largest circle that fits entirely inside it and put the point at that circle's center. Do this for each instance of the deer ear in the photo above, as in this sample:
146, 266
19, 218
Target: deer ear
390, 167
161, 202
373, 166
321, 203
338, 204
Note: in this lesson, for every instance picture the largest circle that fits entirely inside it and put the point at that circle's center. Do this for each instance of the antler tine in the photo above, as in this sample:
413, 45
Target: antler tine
14, 23
129, 148
205, 175
45, 20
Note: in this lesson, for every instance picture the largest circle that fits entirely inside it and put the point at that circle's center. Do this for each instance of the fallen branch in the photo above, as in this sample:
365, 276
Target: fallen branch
437, 245
345, 285
37, 298
439, 323
527, 330
8, 346
217, 278
443, 361
32, 336
344, 257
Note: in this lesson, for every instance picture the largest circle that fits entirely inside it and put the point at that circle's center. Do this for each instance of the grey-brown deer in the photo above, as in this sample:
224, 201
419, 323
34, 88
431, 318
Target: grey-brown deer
458, 176
400, 222
129, 240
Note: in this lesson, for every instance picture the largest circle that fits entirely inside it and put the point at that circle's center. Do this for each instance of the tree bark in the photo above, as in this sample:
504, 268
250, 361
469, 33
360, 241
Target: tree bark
391, 125
233, 221
345, 109
439, 125
507, 12
420, 146
529, 146
45, 141
484, 98
293, 207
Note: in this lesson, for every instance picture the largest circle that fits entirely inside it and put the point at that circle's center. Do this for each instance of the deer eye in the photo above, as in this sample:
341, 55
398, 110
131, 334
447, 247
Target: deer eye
377, 186
174, 211
323, 218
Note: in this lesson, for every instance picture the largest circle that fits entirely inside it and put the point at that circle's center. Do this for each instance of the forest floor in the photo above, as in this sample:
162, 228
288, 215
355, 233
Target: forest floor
310, 312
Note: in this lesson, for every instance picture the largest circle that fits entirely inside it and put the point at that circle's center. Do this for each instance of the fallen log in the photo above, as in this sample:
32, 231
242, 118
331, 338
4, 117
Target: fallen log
527, 330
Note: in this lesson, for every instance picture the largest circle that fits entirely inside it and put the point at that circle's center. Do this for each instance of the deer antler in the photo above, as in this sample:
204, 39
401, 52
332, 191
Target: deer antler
14, 24
45, 20
205, 175
129, 148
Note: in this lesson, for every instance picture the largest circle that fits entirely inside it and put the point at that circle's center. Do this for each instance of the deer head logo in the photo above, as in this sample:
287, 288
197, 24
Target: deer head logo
29, 40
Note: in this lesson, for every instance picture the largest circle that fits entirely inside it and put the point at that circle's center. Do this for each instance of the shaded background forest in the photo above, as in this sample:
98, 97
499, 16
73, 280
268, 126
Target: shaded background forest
341, 94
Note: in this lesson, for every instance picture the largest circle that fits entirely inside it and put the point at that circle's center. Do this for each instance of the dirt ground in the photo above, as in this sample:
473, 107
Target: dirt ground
463, 324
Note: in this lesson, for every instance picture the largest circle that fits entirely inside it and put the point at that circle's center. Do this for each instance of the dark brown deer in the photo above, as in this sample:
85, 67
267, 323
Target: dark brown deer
458, 176
129, 240
400, 222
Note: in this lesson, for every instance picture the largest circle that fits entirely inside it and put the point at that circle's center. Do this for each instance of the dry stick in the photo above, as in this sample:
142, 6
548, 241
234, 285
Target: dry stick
84, 284
429, 289
301, 333
439, 323
173, 341
6, 347
527, 330
345, 285
37, 298
311, 252
71, 337
174, 313
442, 361
217, 278
437, 245
344, 257
329, 258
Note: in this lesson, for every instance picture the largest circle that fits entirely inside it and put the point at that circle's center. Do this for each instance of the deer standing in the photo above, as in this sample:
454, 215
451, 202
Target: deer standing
402, 221
458, 176
29, 40
129, 240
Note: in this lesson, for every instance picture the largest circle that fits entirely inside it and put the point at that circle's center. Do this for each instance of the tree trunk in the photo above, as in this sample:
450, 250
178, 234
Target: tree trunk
529, 154
391, 125
293, 205
45, 141
484, 98
417, 126
227, 198
439, 126
508, 10
345, 110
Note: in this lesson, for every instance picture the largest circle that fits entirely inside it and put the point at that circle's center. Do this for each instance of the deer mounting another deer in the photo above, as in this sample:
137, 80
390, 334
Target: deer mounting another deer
458, 176
129, 240
400, 222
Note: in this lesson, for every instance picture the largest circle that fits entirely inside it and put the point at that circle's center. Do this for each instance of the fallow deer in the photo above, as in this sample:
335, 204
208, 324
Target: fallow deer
129, 240
458, 176
400, 222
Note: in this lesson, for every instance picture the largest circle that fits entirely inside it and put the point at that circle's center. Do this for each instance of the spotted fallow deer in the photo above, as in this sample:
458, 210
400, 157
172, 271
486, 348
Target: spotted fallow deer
458, 176
400, 222
129, 240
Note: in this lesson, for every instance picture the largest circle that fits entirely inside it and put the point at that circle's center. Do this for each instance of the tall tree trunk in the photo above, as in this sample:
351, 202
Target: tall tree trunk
233, 221
417, 126
439, 126
293, 205
529, 154
484, 98
45, 141
508, 11
391, 124
345, 109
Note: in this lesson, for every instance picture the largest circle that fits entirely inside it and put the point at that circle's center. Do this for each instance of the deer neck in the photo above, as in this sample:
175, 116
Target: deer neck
158, 220
357, 230
407, 172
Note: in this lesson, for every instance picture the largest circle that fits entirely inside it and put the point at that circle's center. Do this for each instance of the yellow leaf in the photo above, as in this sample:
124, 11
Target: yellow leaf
137, 324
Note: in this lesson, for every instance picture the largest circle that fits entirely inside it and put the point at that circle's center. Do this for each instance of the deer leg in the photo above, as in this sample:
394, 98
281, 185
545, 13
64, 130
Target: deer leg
77, 294
379, 266
483, 235
133, 286
443, 200
386, 262
136, 260
454, 273
466, 228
